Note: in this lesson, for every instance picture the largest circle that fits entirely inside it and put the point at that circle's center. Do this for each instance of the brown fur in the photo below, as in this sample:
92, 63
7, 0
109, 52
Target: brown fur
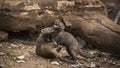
47, 49
66, 39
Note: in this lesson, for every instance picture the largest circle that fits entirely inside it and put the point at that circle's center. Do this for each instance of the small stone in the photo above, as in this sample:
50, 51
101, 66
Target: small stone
105, 59
21, 57
13, 45
75, 65
92, 65
78, 65
23, 13
1, 45
20, 61
55, 63
2, 53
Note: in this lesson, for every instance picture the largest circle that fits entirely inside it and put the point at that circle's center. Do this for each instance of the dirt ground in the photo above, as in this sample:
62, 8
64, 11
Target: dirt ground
13, 50
10, 50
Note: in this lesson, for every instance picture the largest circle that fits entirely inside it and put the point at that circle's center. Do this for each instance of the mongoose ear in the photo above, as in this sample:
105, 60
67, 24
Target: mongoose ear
59, 24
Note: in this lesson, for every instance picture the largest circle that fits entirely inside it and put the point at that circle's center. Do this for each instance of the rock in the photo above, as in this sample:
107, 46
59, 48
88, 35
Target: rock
20, 61
2, 53
79, 65
20, 57
92, 65
1, 45
13, 45
55, 63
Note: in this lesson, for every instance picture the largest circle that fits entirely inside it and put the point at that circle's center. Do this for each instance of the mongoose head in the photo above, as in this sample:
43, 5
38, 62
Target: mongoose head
59, 24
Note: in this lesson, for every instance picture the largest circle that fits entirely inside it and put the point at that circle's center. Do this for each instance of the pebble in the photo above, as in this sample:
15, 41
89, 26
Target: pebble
20, 57
55, 63
2, 53
20, 61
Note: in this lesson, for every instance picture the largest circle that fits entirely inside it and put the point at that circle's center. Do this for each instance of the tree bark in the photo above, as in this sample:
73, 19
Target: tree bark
96, 29
20, 23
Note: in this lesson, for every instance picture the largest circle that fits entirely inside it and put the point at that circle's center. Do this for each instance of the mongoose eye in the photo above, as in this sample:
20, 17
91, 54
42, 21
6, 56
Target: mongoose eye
42, 31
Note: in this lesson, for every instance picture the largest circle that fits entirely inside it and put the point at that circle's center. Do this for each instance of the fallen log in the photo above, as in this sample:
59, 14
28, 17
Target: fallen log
20, 23
19, 15
96, 29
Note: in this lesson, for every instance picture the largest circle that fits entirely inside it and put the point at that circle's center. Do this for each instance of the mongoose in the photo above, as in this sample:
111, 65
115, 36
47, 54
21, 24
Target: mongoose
47, 49
66, 39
